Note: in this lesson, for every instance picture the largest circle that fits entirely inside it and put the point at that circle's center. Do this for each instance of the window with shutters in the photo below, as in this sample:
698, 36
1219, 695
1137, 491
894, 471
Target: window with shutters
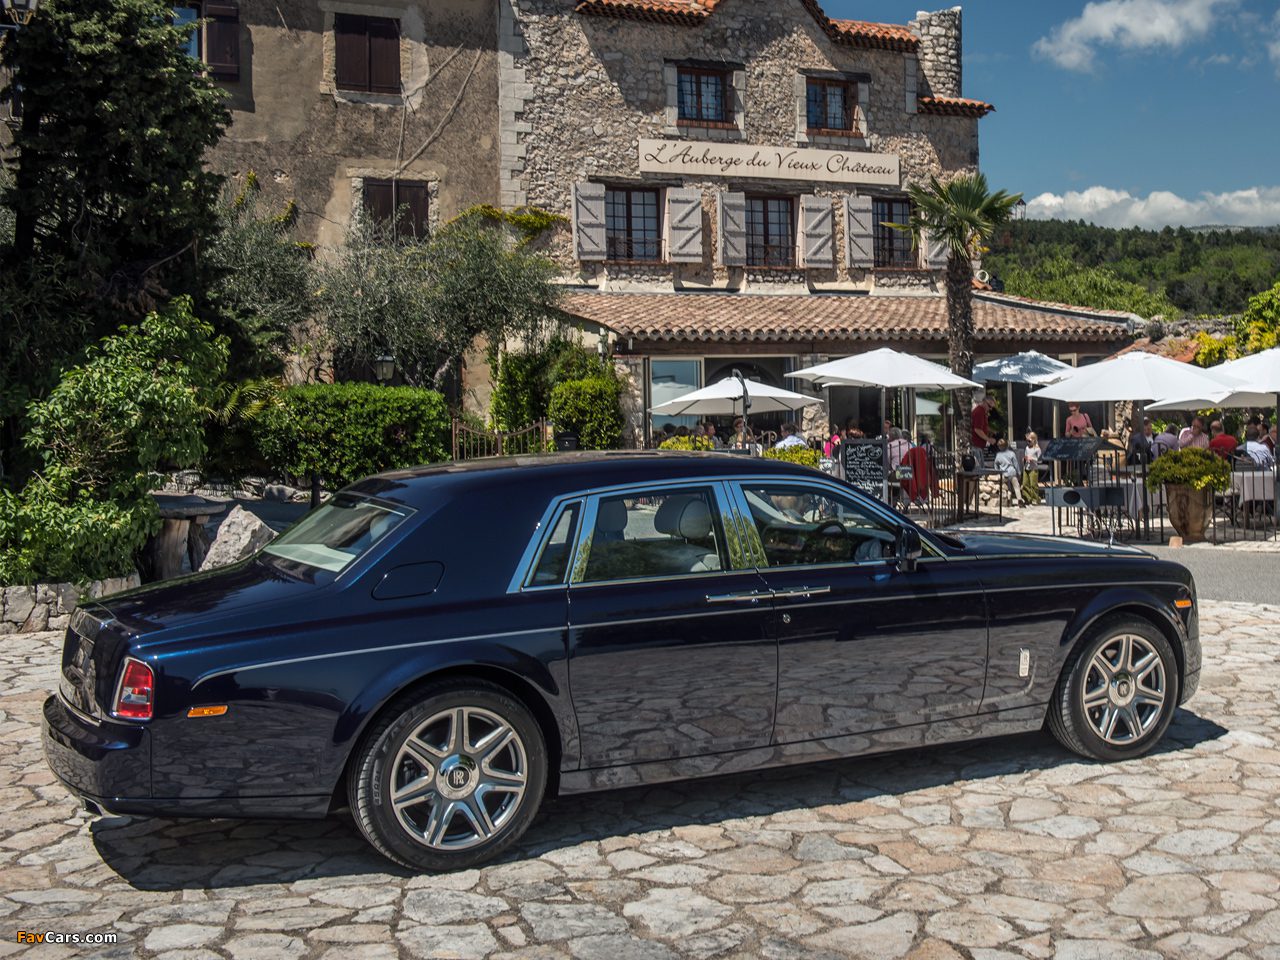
216, 41
366, 53
705, 96
771, 232
832, 107
402, 205
633, 225
893, 248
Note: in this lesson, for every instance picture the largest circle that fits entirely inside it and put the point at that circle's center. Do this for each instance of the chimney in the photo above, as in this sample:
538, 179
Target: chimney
941, 70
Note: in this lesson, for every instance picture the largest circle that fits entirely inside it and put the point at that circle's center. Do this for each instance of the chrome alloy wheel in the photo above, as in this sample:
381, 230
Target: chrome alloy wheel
1124, 689
459, 778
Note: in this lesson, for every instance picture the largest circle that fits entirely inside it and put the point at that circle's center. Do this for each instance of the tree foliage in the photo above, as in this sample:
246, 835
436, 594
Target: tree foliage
524, 378
1257, 329
591, 409
1059, 280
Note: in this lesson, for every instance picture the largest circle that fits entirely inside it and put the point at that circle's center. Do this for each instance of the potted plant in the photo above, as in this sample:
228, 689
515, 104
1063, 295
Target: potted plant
1189, 478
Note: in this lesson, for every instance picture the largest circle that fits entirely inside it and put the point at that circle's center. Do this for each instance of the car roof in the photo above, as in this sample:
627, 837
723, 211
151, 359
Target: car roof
569, 471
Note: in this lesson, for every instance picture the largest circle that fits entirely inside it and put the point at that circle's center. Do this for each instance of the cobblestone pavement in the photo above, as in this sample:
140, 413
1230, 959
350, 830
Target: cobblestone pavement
1001, 850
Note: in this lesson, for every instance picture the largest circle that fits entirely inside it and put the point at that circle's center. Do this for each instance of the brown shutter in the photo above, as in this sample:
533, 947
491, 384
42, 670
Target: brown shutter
351, 51
384, 55
222, 39
378, 203
412, 204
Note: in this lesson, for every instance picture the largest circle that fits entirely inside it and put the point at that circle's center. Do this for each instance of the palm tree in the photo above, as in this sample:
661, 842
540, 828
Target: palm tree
963, 214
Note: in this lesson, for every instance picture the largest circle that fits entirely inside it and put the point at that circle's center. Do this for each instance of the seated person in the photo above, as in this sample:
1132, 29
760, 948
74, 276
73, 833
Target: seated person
1221, 442
1007, 464
1256, 449
790, 438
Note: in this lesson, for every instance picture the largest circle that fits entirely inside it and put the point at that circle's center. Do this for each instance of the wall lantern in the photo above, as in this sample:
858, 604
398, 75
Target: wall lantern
20, 11
384, 368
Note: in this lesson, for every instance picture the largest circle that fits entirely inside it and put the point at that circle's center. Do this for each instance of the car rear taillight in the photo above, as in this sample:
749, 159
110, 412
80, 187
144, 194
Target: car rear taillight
135, 696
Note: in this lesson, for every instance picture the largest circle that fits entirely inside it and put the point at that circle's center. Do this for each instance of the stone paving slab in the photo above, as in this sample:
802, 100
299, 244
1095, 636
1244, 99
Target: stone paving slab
1003, 850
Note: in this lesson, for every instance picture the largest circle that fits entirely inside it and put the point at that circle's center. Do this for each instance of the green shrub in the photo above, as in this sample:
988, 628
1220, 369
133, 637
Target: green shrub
805, 456
687, 443
346, 431
590, 408
1191, 467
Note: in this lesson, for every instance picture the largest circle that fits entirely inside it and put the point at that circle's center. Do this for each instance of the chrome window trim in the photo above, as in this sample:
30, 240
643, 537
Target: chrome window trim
537, 544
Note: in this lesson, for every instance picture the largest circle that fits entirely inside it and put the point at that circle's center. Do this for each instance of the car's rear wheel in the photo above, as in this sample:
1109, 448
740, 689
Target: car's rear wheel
449, 777
1117, 692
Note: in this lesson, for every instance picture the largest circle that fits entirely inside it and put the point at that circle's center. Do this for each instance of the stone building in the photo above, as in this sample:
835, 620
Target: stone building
728, 167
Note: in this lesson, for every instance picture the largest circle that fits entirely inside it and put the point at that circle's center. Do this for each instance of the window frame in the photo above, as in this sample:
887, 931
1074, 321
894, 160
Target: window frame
628, 236
766, 199
727, 119
395, 183
197, 35
882, 237
368, 87
851, 93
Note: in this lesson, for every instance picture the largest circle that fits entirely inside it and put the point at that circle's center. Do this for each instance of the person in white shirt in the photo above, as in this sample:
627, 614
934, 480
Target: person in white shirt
790, 438
898, 447
1256, 449
1007, 464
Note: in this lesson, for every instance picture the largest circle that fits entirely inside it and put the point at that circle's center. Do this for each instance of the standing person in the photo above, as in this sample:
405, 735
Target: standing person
832, 447
1031, 469
1194, 436
1007, 464
980, 431
1078, 424
790, 438
898, 447
1221, 442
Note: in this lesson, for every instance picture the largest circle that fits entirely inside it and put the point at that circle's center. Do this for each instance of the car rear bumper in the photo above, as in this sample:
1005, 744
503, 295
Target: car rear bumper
106, 763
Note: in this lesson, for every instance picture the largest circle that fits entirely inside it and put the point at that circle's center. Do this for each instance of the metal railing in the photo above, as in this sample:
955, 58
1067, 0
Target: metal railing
471, 442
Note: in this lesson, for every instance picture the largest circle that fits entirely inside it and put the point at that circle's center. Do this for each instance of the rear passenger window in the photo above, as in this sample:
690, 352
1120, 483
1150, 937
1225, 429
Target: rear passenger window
665, 533
554, 560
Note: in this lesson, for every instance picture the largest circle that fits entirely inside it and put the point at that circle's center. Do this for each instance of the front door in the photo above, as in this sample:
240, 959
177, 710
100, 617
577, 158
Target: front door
862, 646
671, 651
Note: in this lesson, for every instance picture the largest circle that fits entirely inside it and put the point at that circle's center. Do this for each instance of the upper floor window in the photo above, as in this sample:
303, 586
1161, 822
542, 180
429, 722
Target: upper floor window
367, 53
633, 229
771, 232
217, 42
404, 203
893, 248
705, 95
832, 106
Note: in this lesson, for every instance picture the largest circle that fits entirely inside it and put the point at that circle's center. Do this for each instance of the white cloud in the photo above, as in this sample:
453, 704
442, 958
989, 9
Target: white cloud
1254, 207
1131, 25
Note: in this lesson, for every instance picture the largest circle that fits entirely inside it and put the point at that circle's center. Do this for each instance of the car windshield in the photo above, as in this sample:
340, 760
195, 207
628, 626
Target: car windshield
335, 535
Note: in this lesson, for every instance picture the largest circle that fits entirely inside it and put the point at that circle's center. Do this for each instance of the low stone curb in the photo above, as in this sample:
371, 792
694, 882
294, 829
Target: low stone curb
48, 606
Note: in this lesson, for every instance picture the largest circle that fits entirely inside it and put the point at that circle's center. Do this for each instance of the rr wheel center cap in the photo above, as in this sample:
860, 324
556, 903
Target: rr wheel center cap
456, 777
1123, 689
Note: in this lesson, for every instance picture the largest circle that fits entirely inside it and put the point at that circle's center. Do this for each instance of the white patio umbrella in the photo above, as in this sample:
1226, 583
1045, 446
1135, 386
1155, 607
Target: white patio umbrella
1252, 381
1030, 366
724, 398
889, 370
1137, 376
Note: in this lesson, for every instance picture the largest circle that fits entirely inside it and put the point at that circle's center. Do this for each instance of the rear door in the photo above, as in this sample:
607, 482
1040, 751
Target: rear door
862, 646
671, 650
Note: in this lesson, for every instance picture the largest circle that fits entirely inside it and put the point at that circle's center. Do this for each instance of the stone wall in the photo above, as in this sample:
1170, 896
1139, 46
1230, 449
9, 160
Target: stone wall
940, 54
48, 606
581, 91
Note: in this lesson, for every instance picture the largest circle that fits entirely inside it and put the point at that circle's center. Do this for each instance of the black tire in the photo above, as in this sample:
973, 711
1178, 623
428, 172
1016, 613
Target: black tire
1080, 730
379, 764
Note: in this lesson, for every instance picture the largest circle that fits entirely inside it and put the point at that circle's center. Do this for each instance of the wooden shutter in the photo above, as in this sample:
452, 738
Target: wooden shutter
412, 203
684, 225
936, 253
222, 40
733, 229
378, 202
588, 221
817, 228
351, 51
859, 232
384, 55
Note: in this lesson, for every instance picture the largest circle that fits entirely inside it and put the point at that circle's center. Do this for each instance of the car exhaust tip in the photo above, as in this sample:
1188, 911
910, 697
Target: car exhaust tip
93, 809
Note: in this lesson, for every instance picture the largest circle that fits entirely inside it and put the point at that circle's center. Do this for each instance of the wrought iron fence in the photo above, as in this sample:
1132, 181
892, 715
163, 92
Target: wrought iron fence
471, 442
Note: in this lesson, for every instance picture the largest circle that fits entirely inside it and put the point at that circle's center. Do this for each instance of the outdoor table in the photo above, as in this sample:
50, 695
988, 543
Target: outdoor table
1133, 498
1253, 487
162, 556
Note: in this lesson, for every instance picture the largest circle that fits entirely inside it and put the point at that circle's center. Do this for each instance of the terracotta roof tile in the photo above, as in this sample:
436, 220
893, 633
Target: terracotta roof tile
955, 106
885, 36
780, 318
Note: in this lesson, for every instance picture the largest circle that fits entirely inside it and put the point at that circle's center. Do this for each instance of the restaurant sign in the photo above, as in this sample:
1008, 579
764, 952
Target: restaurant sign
771, 163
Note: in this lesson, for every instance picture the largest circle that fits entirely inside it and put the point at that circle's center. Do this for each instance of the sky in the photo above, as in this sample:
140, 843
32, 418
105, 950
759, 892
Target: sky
1123, 112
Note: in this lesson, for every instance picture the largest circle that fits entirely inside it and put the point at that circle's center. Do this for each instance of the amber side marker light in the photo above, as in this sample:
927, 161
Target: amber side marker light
207, 711
1182, 604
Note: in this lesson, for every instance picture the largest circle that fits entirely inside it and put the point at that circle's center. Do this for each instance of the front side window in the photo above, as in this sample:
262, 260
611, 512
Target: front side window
660, 533
366, 53
632, 225
832, 106
705, 95
403, 203
336, 534
893, 248
771, 232
801, 525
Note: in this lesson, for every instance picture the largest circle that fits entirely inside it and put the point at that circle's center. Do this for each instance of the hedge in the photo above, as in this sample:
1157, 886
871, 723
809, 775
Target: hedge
346, 431
590, 408
805, 456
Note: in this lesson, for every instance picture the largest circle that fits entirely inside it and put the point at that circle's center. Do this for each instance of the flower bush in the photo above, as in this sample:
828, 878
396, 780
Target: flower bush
805, 456
687, 443
1192, 467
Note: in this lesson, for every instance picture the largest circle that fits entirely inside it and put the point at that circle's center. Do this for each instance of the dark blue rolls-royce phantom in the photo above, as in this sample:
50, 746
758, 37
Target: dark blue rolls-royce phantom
442, 647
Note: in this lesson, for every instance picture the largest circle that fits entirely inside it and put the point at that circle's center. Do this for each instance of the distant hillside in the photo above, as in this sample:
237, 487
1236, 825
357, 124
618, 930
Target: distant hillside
1184, 270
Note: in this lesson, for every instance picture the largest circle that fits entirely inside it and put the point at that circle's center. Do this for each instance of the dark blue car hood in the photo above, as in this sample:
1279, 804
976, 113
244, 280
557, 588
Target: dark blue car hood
1025, 545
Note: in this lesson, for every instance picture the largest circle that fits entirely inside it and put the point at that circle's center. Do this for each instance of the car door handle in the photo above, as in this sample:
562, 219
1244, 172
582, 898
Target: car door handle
804, 592
755, 596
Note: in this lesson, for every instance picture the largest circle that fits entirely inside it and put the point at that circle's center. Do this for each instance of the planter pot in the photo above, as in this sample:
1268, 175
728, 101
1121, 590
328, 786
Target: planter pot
566, 441
1190, 511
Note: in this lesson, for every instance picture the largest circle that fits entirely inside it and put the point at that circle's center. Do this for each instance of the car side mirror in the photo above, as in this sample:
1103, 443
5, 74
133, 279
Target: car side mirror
909, 549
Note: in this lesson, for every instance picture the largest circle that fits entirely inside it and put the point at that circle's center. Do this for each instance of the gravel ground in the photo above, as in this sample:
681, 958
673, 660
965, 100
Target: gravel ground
998, 851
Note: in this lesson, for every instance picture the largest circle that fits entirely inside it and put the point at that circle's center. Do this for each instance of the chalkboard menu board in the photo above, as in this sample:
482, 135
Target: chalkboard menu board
1072, 448
864, 465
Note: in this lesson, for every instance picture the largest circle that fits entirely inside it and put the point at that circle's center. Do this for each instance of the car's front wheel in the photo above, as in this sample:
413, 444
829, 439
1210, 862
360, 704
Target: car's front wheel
449, 777
1117, 692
